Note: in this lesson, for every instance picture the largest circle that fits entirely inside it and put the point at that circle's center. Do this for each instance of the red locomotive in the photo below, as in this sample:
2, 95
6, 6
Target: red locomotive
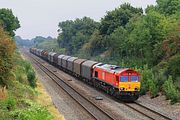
122, 82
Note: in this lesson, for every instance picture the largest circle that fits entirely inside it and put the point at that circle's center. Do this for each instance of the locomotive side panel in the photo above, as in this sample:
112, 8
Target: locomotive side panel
105, 76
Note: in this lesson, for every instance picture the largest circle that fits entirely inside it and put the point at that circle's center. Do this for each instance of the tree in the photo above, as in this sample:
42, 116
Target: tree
168, 7
146, 34
139, 36
8, 21
117, 41
95, 45
73, 34
118, 17
7, 48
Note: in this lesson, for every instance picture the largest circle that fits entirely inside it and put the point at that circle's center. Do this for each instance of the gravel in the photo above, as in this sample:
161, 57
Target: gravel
162, 105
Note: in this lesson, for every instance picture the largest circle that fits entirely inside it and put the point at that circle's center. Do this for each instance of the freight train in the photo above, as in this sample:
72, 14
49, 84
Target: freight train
123, 83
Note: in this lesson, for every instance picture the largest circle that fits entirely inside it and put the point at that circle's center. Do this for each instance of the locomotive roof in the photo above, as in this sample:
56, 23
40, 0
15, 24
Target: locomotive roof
111, 68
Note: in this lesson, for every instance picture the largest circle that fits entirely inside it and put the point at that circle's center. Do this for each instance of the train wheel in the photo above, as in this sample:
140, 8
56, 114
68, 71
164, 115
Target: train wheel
135, 97
111, 91
94, 82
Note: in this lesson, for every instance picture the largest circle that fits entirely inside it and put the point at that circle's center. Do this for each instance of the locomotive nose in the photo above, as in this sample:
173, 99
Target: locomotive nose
136, 89
129, 86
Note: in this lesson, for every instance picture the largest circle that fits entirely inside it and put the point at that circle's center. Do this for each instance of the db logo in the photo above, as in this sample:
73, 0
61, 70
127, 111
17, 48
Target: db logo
129, 85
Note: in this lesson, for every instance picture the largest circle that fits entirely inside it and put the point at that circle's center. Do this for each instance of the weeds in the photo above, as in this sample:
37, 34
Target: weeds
31, 78
20, 88
170, 91
32, 112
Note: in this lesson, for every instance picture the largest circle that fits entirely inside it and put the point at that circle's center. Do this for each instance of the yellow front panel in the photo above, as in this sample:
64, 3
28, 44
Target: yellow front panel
129, 86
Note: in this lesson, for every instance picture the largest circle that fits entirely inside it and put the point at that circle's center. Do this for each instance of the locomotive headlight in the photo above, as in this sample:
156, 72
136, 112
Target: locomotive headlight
136, 89
122, 89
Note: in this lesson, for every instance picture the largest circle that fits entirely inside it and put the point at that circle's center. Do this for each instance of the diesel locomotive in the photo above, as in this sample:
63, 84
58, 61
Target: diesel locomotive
123, 83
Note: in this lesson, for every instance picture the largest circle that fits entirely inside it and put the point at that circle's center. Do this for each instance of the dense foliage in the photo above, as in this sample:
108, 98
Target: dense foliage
8, 21
73, 34
149, 42
32, 112
20, 96
118, 17
17, 77
7, 48
47, 46
31, 42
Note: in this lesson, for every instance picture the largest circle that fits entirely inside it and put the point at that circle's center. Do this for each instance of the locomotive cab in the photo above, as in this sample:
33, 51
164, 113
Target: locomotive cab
124, 83
129, 83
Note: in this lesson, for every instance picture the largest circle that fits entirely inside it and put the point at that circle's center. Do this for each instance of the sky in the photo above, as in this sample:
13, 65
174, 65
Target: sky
41, 17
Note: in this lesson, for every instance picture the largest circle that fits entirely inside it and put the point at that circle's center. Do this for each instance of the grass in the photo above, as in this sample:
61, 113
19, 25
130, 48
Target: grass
18, 100
45, 100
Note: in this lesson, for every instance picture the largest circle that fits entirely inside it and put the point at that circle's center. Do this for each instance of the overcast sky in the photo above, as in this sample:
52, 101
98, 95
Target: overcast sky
41, 17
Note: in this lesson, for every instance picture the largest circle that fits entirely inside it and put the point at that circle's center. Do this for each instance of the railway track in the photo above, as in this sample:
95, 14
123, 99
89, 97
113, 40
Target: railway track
95, 111
149, 113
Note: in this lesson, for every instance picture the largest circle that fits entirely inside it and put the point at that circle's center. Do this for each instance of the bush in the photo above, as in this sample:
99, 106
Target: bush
159, 72
24, 71
31, 78
33, 111
173, 67
7, 48
20, 90
20, 74
26, 65
4, 115
146, 74
143, 89
153, 89
170, 91
9, 103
